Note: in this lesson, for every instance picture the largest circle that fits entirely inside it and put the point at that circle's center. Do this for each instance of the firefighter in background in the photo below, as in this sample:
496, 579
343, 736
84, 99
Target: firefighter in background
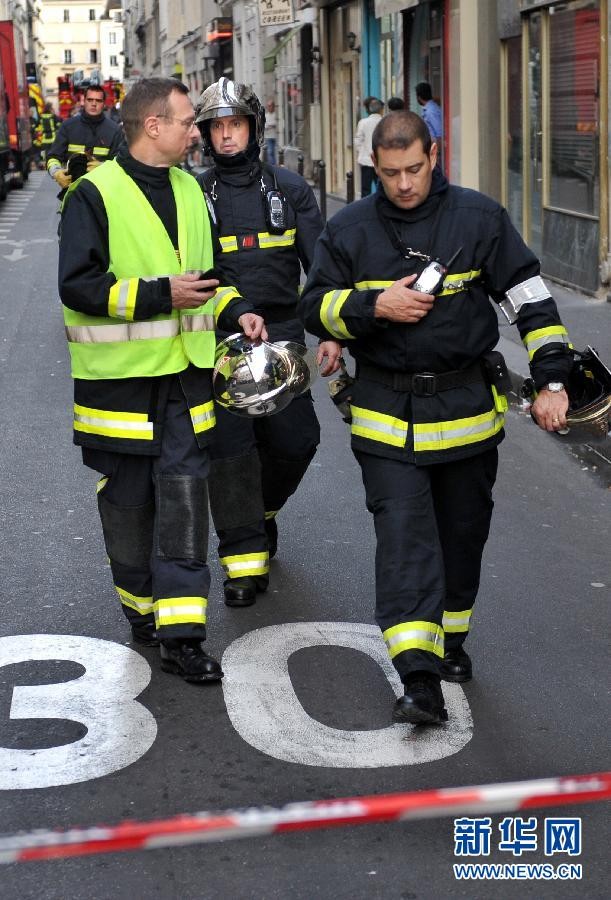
90, 132
135, 241
428, 401
268, 222
47, 128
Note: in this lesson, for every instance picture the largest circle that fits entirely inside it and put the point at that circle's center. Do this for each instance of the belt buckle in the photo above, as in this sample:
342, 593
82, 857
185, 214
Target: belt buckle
424, 384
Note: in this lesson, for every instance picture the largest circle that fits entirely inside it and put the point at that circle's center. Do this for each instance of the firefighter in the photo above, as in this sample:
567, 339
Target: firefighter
428, 401
90, 132
268, 222
47, 129
135, 240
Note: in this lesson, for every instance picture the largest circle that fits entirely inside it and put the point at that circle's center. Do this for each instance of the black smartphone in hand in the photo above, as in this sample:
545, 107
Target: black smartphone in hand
209, 274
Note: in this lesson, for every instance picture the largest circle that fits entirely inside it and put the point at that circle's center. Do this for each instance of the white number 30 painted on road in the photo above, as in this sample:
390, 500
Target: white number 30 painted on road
261, 702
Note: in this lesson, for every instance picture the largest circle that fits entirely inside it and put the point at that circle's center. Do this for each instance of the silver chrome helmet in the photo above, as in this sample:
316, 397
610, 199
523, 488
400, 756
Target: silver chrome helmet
588, 417
228, 98
259, 379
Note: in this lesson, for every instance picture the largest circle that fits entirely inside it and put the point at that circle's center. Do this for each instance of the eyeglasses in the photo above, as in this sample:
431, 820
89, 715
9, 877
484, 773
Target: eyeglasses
187, 124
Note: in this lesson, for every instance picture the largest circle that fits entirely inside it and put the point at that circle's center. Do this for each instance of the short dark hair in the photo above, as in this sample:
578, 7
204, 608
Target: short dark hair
423, 90
375, 105
146, 95
95, 89
399, 130
395, 103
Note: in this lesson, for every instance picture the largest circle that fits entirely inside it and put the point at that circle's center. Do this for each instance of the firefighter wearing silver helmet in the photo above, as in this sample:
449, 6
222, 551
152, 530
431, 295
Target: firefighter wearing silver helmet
267, 221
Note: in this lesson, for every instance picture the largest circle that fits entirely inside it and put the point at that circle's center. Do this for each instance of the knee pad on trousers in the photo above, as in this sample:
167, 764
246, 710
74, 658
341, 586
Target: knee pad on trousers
128, 531
281, 477
182, 517
236, 498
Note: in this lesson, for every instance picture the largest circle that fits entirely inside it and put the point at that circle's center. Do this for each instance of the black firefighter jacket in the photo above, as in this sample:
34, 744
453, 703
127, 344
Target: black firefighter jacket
96, 135
355, 258
261, 266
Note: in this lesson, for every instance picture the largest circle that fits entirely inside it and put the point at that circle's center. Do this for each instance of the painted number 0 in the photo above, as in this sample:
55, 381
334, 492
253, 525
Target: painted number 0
261, 702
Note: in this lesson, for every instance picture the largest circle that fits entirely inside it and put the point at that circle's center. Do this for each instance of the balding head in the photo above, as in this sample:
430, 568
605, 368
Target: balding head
399, 130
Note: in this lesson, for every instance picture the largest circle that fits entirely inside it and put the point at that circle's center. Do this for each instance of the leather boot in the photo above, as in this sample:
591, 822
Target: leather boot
185, 657
456, 666
243, 591
271, 530
144, 633
422, 703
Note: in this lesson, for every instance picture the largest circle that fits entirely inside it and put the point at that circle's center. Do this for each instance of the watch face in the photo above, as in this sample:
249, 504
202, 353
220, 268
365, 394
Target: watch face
555, 387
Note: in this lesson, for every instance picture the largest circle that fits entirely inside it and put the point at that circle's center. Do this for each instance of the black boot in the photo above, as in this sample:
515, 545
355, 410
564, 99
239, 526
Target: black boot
423, 702
456, 666
243, 591
186, 658
144, 633
271, 530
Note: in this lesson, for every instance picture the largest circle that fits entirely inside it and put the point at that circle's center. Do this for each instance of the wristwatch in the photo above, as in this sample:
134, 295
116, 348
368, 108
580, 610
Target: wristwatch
554, 386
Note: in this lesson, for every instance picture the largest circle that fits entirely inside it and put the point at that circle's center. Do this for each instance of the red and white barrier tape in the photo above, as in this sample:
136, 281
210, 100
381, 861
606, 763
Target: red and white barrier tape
202, 827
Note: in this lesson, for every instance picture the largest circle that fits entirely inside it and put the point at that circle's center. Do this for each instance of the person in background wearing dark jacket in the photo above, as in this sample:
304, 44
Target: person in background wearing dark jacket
428, 401
256, 466
140, 320
90, 132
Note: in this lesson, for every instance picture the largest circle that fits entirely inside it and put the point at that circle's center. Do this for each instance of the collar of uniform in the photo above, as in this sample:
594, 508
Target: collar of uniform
92, 120
156, 176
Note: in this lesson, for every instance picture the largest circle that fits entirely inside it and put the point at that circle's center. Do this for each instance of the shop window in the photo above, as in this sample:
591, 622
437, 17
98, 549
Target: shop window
514, 137
574, 107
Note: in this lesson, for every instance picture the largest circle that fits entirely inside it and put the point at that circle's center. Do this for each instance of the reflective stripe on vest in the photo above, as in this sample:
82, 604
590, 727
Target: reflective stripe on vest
109, 423
457, 622
414, 636
554, 334
457, 432
331, 306
376, 426
115, 346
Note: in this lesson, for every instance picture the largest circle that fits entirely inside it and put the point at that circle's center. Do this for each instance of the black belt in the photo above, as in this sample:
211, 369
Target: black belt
422, 384
275, 314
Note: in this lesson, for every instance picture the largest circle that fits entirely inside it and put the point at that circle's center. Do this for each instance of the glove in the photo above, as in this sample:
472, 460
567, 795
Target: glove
63, 179
93, 164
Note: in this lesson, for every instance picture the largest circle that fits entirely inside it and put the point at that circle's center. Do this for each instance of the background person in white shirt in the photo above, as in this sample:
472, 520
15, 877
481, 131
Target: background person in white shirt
362, 141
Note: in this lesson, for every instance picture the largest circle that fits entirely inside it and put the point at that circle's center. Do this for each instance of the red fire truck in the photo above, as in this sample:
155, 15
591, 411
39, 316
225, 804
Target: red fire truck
15, 107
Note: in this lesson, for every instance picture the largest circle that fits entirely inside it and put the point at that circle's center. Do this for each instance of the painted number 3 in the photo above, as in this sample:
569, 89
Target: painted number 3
261, 702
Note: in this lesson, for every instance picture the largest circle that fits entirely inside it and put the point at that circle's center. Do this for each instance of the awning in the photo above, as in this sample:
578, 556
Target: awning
269, 60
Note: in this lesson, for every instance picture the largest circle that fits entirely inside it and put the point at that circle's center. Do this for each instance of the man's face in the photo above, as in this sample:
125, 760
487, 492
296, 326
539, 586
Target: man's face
177, 129
230, 134
94, 103
406, 175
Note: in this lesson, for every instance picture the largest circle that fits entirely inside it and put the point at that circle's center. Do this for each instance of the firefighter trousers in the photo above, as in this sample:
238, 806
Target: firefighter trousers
431, 524
154, 513
255, 467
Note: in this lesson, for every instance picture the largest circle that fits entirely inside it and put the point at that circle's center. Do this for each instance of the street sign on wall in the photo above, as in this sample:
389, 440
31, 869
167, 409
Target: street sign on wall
276, 12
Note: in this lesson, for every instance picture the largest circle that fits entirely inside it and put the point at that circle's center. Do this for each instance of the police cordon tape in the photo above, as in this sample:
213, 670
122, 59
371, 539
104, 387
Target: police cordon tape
204, 827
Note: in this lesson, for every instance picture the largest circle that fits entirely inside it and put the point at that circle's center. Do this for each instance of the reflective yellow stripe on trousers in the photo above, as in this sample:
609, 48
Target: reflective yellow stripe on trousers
180, 611
414, 636
457, 622
142, 605
246, 564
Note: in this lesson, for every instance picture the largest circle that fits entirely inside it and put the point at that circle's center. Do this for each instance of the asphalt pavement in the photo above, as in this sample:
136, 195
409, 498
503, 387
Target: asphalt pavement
92, 732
